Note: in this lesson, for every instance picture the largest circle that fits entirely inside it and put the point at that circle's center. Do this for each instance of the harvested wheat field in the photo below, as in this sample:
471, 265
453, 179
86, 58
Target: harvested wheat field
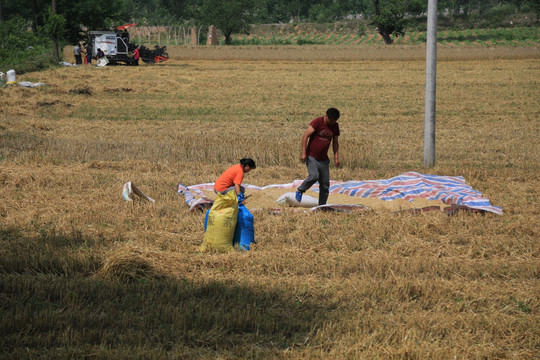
86, 274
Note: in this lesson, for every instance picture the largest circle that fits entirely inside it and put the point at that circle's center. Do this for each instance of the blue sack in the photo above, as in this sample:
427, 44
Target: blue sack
206, 219
244, 234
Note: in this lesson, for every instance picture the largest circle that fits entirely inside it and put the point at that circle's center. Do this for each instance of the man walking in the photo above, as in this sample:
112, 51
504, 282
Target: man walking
315, 144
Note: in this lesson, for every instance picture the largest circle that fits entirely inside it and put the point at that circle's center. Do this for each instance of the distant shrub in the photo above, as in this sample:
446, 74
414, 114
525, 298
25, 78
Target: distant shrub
496, 16
418, 23
260, 41
42, 59
361, 29
309, 42
15, 38
422, 37
21, 50
321, 14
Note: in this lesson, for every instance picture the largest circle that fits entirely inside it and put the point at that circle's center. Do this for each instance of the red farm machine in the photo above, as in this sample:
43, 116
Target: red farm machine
117, 47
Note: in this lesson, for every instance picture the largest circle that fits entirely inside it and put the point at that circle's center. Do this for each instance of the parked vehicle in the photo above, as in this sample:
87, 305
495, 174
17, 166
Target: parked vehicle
118, 48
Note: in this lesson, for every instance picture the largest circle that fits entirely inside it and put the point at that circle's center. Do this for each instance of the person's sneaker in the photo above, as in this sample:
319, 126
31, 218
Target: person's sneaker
298, 196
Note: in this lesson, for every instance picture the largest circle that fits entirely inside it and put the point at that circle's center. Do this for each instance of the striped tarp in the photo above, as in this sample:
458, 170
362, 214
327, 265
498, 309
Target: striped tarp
451, 190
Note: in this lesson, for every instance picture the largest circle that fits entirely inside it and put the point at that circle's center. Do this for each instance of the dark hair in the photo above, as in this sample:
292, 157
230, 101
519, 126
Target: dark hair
249, 162
332, 113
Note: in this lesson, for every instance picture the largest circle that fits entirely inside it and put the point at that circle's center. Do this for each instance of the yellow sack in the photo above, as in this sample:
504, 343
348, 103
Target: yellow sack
221, 223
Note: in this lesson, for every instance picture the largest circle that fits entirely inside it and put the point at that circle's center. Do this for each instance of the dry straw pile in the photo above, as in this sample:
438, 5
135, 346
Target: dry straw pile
85, 274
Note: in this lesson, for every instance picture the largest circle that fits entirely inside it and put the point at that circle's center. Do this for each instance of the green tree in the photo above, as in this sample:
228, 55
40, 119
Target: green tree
78, 14
156, 12
55, 27
416, 7
277, 11
535, 7
91, 15
389, 19
230, 16
15, 37
320, 13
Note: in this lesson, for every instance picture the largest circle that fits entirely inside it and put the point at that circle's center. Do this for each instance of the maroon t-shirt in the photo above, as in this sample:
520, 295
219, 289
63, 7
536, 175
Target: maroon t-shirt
320, 140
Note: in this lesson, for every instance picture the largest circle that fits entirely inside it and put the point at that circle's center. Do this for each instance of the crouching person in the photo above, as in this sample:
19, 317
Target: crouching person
222, 218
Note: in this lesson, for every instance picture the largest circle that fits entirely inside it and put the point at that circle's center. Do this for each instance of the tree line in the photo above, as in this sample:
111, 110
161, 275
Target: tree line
390, 17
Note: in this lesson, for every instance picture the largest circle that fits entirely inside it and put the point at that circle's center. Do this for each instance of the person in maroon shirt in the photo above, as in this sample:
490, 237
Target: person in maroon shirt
315, 144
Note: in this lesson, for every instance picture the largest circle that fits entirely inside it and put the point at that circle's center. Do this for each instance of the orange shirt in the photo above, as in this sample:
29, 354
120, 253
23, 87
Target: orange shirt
231, 176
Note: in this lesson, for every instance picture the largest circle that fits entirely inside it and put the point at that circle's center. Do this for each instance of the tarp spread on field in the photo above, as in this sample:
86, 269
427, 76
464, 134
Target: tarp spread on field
451, 190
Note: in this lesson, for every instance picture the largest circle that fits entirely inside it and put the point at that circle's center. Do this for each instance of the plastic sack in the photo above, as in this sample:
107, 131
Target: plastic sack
129, 189
221, 223
244, 235
11, 77
289, 199
30, 84
102, 62
206, 219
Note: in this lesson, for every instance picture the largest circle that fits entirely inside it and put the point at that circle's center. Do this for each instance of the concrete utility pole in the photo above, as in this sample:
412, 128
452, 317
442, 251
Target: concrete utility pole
431, 76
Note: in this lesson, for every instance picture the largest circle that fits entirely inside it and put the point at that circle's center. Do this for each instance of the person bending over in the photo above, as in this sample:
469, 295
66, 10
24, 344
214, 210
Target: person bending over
231, 179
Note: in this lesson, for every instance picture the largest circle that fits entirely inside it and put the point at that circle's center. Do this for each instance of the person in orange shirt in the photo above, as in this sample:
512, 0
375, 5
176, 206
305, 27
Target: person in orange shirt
231, 179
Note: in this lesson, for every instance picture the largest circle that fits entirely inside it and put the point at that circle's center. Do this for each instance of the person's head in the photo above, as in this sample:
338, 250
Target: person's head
247, 164
333, 114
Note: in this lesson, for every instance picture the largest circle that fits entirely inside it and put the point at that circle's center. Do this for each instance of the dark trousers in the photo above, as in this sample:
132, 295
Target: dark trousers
317, 171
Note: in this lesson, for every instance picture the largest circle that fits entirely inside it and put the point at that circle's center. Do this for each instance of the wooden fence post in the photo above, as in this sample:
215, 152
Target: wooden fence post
193, 35
212, 36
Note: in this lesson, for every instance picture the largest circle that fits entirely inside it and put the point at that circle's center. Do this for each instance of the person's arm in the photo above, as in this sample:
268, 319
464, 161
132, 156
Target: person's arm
335, 147
237, 180
310, 131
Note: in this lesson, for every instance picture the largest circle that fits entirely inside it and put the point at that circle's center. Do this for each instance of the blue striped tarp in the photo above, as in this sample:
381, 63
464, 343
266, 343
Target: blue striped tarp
451, 190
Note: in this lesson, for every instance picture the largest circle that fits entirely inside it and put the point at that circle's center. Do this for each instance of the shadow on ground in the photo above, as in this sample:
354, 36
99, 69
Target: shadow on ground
52, 305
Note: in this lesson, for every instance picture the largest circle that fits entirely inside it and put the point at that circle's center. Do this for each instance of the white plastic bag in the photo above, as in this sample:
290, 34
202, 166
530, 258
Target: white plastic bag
129, 189
11, 77
102, 62
289, 199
